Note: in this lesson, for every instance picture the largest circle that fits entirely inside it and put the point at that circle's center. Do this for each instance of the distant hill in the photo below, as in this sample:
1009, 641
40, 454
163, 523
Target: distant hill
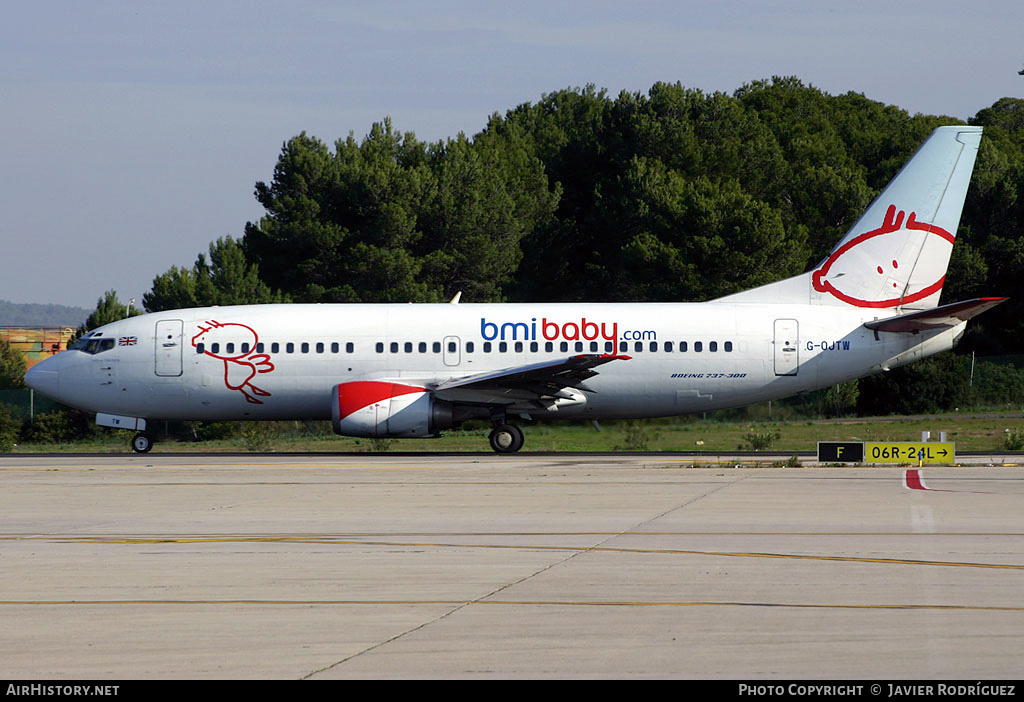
33, 315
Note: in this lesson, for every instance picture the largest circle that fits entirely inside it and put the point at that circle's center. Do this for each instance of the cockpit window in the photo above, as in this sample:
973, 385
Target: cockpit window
80, 344
99, 345
93, 345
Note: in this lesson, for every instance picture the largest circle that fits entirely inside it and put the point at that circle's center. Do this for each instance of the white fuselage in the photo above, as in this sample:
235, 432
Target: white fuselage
414, 370
282, 361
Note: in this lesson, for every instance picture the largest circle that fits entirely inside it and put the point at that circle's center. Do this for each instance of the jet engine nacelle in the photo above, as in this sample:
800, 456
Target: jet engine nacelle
385, 409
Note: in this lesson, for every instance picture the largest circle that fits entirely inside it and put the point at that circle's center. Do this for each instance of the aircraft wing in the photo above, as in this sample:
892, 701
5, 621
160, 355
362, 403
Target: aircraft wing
536, 381
936, 318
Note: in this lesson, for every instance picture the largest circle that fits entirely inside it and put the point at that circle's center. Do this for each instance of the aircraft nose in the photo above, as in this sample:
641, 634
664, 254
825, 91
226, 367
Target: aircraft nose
44, 380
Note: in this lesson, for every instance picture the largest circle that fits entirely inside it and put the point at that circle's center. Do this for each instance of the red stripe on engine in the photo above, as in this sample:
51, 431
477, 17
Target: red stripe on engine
356, 395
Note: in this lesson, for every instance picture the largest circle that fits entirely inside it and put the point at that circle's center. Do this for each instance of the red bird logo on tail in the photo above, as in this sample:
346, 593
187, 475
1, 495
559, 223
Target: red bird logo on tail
898, 263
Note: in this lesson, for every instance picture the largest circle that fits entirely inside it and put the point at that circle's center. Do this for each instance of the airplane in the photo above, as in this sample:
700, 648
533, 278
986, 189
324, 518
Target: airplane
416, 370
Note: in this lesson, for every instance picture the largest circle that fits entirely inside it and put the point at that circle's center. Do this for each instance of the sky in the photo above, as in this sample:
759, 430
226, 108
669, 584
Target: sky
133, 133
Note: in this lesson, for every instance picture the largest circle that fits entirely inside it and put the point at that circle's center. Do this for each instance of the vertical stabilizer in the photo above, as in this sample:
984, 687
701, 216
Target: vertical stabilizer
897, 253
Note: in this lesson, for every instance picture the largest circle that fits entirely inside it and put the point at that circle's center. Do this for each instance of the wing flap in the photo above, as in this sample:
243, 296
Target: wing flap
547, 379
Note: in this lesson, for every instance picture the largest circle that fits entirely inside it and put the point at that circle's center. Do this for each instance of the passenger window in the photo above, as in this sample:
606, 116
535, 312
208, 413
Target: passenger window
682, 347
469, 347
394, 347
609, 346
519, 347
245, 348
335, 347
275, 347
200, 347
579, 346
713, 346
623, 346
408, 347
380, 347
451, 347
728, 347
487, 347
654, 346
563, 346
259, 347
305, 347
319, 347
502, 346
423, 347
350, 347
230, 348
698, 346
638, 346
289, 347
214, 348
668, 346
548, 346
436, 347
533, 347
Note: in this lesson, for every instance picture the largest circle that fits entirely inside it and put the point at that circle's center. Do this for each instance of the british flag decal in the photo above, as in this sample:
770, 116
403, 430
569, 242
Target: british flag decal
127, 340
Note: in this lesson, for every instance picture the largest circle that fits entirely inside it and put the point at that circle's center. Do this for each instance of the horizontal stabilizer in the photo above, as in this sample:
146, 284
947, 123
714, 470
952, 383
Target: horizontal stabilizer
937, 318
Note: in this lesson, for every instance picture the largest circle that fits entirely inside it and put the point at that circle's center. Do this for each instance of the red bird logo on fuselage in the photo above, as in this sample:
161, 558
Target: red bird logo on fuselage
240, 367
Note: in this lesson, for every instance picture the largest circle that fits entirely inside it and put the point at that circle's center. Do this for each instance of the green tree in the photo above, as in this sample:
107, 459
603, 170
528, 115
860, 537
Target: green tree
489, 195
698, 239
108, 309
938, 383
228, 279
664, 197
569, 131
12, 367
675, 194
993, 227
841, 398
391, 219
340, 227
9, 428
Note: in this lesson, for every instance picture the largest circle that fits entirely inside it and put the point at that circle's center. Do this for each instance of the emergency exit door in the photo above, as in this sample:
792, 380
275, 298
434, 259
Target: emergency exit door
452, 350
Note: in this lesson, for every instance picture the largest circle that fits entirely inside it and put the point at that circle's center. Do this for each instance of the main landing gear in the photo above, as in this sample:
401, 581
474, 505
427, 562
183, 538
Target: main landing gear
142, 442
506, 438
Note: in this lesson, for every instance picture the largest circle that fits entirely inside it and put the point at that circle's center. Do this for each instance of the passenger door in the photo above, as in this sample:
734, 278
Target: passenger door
168, 347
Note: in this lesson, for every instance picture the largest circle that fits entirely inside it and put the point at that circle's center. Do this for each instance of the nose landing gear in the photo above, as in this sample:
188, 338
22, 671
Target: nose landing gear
142, 443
